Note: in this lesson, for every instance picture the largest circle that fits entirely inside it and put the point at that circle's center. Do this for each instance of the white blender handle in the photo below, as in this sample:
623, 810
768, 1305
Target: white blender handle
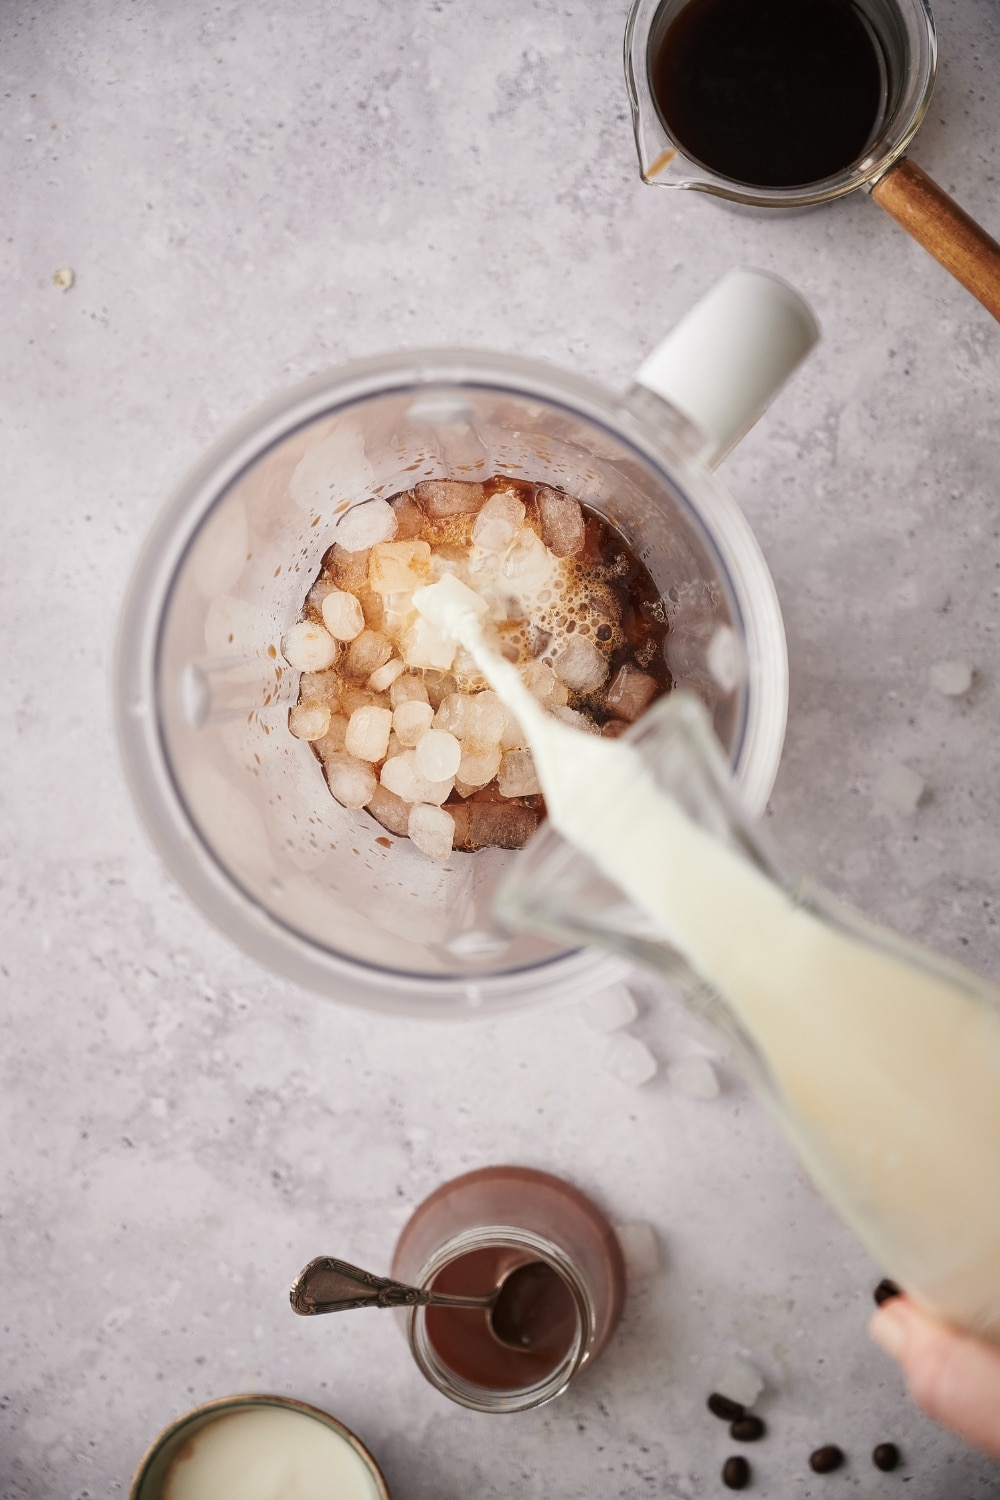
730, 355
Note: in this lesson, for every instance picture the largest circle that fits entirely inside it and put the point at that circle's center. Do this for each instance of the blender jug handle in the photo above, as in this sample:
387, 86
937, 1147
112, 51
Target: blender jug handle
730, 355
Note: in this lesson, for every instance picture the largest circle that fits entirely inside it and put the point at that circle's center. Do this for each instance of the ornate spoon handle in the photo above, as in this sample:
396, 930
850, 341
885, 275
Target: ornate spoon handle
327, 1285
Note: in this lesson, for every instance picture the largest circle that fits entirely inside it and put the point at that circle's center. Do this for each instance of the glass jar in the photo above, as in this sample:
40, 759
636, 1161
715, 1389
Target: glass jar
467, 1237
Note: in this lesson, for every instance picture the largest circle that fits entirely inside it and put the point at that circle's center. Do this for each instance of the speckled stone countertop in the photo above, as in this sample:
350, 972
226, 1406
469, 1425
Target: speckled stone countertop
245, 195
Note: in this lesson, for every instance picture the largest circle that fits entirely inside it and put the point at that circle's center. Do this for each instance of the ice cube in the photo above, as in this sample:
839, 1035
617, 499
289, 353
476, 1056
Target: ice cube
391, 811
487, 825
630, 1060
316, 595
308, 647
498, 523
400, 775
694, 1077
342, 615
349, 569
353, 696
478, 767
453, 715
309, 721
576, 720
485, 722
366, 653
630, 693
333, 740
543, 684
561, 519
953, 678
383, 677
399, 567
610, 1009
739, 1381
613, 729
431, 829
423, 645
407, 688
513, 737
351, 781
409, 517
438, 755
372, 608
640, 1249
439, 686
517, 776
320, 687
580, 665
366, 524
528, 563
901, 787
411, 720
448, 497
368, 733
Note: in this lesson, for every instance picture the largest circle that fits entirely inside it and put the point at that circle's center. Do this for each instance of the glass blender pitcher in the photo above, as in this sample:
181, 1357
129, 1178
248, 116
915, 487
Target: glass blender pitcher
240, 809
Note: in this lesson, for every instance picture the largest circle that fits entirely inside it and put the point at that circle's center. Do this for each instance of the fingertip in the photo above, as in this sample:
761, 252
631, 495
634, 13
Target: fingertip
889, 1327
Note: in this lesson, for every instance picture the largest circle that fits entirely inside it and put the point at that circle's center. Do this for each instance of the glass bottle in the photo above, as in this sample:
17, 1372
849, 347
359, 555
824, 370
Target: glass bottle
880, 1060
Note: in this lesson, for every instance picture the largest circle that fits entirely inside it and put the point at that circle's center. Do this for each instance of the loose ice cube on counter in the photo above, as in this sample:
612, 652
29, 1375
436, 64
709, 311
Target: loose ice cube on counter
640, 1249
366, 524
309, 721
739, 1381
901, 787
431, 829
953, 678
630, 1060
694, 1077
342, 615
351, 781
448, 497
308, 647
368, 733
610, 1009
562, 521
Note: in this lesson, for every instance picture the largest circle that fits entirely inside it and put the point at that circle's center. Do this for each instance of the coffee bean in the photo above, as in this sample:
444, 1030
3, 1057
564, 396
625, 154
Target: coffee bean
886, 1456
736, 1473
721, 1406
885, 1290
826, 1459
747, 1430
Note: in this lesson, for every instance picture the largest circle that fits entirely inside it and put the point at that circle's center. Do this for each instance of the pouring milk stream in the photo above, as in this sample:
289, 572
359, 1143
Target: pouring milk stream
885, 1063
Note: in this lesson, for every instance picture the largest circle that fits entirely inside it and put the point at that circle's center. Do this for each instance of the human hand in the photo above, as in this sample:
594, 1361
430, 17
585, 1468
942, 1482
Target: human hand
954, 1377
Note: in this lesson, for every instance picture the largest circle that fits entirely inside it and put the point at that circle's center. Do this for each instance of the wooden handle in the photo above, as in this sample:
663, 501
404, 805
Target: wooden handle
945, 230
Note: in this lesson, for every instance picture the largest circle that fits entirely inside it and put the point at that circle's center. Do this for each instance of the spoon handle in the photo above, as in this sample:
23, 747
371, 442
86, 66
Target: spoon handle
328, 1285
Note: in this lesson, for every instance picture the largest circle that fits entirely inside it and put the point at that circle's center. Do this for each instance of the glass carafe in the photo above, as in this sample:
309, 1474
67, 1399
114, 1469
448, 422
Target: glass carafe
880, 1060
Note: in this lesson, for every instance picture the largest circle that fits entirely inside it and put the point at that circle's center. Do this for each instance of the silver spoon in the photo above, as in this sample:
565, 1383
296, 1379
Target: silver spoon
327, 1285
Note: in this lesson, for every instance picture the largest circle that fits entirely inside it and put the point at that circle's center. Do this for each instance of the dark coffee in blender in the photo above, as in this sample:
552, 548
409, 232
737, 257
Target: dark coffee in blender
772, 93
